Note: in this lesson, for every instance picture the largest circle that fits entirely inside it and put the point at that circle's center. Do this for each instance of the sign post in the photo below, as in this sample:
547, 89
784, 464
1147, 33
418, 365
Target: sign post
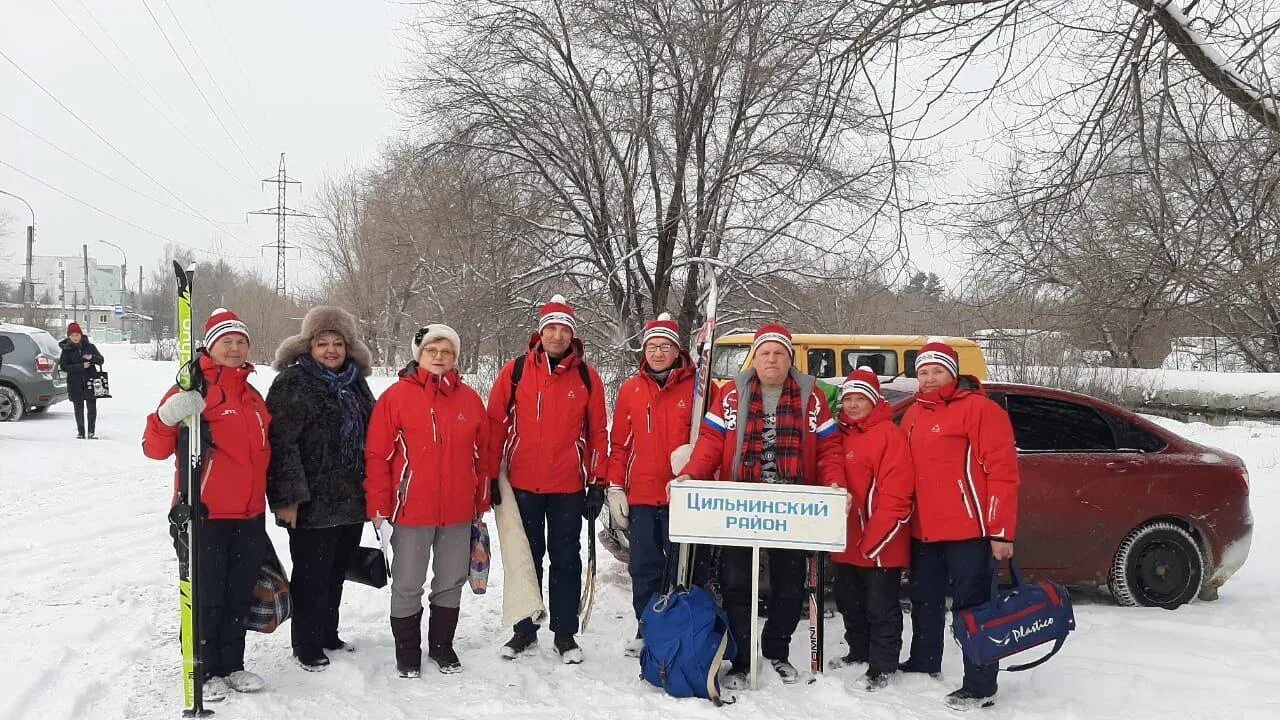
756, 515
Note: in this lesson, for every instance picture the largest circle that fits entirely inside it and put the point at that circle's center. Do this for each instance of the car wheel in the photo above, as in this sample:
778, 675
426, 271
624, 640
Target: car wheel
12, 407
1157, 565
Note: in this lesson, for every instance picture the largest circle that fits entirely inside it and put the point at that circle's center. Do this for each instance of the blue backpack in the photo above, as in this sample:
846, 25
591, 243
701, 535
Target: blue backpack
686, 636
1027, 615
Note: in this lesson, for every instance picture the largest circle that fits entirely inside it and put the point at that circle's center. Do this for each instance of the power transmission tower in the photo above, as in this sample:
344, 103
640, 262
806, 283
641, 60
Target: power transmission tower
281, 211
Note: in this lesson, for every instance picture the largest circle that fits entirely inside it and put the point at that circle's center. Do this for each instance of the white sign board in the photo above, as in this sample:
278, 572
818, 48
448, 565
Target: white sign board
794, 517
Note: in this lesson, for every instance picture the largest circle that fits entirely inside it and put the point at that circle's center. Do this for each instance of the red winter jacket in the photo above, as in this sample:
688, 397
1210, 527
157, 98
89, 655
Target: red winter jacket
427, 440
879, 475
556, 440
966, 465
649, 422
234, 479
720, 438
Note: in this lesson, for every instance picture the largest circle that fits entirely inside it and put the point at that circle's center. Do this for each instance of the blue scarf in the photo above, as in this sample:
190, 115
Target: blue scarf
354, 406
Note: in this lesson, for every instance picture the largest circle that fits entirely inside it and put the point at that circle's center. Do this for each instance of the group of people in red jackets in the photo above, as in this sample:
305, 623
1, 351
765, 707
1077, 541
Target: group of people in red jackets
936, 492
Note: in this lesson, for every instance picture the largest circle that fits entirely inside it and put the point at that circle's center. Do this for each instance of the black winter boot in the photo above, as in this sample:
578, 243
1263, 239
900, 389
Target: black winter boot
407, 632
440, 630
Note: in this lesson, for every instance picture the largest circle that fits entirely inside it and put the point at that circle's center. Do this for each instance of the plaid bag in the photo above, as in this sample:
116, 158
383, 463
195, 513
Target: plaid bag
272, 603
478, 576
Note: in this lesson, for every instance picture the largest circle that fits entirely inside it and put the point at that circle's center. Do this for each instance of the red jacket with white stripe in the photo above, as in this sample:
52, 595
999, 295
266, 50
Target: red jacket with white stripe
428, 439
966, 465
233, 483
649, 422
556, 439
879, 475
720, 438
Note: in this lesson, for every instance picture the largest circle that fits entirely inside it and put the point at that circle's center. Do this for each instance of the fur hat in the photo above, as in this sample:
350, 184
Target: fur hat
773, 332
557, 312
223, 322
862, 381
938, 352
664, 328
436, 331
325, 319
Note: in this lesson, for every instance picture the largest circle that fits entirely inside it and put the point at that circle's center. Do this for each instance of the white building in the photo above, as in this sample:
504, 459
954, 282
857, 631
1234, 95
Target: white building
61, 278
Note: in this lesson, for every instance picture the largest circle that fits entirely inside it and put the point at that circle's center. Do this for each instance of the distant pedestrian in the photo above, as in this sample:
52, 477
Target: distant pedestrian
427, 456
233, 540
81, 361
320, 405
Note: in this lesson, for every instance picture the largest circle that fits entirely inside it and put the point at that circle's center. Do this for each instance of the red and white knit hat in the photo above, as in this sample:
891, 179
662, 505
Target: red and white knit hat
938, 352
862, 381
664, 328
773, 332
223, 322
557, 312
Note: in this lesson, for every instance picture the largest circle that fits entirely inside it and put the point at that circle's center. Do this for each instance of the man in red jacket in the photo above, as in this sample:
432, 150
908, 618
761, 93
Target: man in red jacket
880, 479
548, 424
650, 419
966, 510
770, 424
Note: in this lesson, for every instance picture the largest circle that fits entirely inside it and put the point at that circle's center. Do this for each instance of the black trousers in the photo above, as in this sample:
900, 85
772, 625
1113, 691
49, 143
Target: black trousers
231, 554
964, 570
91, 403
320, 559
786, 600
553, 523
868, 600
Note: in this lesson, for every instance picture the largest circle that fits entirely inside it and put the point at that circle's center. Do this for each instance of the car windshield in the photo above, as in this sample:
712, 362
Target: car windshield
728, 361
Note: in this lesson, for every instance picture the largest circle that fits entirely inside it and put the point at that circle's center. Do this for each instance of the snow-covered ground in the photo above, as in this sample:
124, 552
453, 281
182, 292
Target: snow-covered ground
88, 616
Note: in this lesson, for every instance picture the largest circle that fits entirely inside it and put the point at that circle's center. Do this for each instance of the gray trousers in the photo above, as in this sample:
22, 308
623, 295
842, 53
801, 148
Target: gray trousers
411, 550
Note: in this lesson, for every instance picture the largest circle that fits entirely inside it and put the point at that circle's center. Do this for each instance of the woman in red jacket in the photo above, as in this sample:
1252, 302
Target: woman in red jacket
422, 475
651, 418
880, 479
233, 542
966, 510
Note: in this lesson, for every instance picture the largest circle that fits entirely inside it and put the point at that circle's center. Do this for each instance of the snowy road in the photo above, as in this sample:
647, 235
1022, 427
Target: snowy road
88, 616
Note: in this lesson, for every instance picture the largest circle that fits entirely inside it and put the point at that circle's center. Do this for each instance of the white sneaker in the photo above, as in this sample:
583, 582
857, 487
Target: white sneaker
245, 682
634, 647
214, 690
736, 681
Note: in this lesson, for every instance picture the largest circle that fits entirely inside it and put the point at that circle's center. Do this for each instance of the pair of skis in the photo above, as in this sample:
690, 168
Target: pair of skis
187, 513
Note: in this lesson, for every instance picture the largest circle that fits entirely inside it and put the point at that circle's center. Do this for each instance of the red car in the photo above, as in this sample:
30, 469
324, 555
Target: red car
1111, 499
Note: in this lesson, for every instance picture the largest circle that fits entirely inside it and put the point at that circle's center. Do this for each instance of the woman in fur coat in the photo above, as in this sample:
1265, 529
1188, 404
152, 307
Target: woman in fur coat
320, 404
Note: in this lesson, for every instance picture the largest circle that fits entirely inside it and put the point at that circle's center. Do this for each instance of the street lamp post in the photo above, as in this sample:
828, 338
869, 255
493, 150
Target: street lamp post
124, 270
28, 289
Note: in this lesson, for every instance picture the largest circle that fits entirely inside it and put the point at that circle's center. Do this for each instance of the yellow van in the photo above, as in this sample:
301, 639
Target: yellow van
835, 356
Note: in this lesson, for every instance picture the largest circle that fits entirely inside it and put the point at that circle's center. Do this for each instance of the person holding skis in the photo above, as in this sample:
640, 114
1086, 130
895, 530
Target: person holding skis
81, 361
320, 405
650, 420
233, 539
427, 476
770, 424
547, 415
966, 514
880, 479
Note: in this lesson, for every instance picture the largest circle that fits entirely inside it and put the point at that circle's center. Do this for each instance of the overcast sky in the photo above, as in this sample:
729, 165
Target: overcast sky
313, 79
308, 78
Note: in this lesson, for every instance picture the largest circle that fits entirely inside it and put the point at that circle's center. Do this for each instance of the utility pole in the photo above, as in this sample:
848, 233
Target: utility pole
62, 292
28, 288
281, 211
87, 294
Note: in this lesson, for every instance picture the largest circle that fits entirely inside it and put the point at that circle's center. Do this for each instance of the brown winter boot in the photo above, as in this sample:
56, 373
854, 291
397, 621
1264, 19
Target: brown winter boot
440, 630
407, 632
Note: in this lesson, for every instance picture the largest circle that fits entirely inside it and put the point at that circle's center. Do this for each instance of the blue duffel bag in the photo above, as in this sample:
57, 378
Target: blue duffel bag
686, 636
1018, 619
